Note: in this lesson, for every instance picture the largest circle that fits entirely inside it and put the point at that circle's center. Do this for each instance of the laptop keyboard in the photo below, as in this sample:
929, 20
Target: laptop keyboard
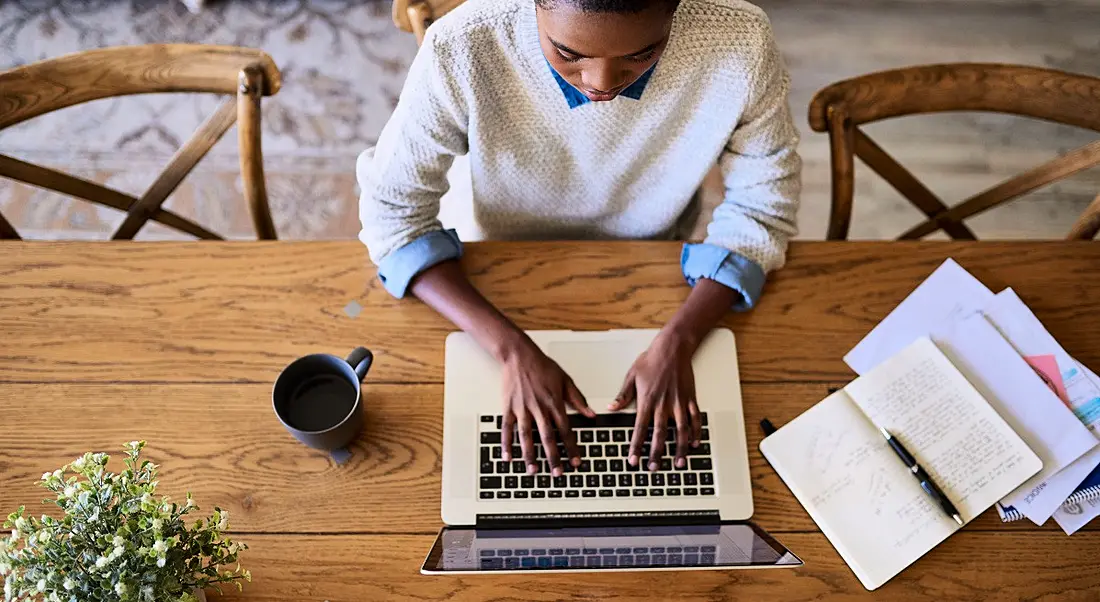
604, 443
552, 558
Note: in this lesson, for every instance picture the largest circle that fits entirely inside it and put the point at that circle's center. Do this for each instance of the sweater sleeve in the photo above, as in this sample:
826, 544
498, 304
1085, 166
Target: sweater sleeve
762, 173
403, 177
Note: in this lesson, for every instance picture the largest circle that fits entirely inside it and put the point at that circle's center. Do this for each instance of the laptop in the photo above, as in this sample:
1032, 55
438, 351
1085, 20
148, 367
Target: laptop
605, 514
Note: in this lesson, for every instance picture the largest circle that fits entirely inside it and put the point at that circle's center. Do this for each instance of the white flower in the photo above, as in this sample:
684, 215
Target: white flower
68, 584
223, 520
147, 594
41, 585
15, 534
118, 541
190, 503
43, 536
70, 491
120, 588
134, 444
54, 597
158, 524
46, 476
161, 562
147, 498
119, 551
21, 523
101, 562
79, 463
57, 474
7, 590
160, 547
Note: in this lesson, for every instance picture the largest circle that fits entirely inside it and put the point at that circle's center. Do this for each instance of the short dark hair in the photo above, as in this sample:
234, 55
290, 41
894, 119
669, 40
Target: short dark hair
610, 6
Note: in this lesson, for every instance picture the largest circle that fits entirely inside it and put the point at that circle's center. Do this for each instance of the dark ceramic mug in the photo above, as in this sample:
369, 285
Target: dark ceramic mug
319, 399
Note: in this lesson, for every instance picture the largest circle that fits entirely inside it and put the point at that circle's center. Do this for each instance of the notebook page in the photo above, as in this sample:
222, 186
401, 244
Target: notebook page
857, 491
959, 439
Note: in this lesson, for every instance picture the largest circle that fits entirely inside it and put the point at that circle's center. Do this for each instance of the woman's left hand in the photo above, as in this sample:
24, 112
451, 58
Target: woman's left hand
662, 385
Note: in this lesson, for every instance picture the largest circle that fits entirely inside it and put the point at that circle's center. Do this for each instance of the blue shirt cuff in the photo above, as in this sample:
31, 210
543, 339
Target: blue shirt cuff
399, 268
725, 267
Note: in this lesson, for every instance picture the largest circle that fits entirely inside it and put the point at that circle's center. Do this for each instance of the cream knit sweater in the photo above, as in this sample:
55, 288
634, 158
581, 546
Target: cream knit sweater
625, 169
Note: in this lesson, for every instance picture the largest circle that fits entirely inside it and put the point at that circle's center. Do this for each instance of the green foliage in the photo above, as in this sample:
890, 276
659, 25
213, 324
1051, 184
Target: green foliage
117, 542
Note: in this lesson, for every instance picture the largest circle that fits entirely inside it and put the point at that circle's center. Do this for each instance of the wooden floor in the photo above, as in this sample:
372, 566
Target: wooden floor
956, 155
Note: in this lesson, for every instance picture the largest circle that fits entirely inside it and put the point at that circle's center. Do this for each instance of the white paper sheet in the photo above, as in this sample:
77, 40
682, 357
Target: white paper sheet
949, 293
1035, 412
1077, 515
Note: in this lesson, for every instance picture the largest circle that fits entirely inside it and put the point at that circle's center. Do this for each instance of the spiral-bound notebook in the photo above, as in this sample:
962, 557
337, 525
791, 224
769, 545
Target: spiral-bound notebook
1087, 491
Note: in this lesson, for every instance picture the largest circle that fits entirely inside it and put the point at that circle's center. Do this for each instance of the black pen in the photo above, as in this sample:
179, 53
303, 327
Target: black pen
926, 482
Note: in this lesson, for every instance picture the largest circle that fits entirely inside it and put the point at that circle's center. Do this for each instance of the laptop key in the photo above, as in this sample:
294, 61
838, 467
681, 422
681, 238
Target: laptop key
504, 495
691, 479
706, 491
521, 495
603, 436
599, 466
656, 492
639, 493
592, 561
608, 480
576, 480
490, 438
486, 453
592, 481
496, 452
490, 483
674, 491
691, 559
674, 480
616, 465
528, 562
595, 451
587, 436
556, 551
706, 479
504, 467
701, 464
666, 464
692, 549
545, 562
500, 421
618, 436
538, 494
486, 418
622, 493
544, 481
561, 561
657, 479
606, 493
589, 493
691, 491
487, 495
586, 466
625, 480
705, 436
624, 450
611, 450
511, 482
518, 467
641, 479
706, 559
527, 482
640, 560
609, 561
572, 493
576, 561
559, 481
626, 561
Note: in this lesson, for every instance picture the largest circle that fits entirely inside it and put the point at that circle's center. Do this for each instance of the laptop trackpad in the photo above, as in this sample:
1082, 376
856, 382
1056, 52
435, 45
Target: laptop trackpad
597, 367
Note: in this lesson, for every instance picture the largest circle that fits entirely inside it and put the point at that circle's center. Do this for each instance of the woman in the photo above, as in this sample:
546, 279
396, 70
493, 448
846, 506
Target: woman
589, 119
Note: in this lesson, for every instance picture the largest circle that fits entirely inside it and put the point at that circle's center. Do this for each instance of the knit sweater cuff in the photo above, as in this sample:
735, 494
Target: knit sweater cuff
725, 267
399, 268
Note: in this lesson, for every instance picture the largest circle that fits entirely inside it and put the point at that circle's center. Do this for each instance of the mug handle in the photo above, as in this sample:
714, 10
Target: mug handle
361, 360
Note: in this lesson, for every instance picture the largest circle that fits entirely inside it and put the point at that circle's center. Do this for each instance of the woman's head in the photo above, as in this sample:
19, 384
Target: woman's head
603, 46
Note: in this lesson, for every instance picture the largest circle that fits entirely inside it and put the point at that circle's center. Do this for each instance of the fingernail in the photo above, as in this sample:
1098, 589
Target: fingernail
532, 469
695, 443
653, 466
575, 462
680, 462
633, 460
557, 472
507, 457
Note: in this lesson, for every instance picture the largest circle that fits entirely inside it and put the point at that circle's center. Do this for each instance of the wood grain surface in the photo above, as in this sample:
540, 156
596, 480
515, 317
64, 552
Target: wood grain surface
239, 312
178, 344
968, 566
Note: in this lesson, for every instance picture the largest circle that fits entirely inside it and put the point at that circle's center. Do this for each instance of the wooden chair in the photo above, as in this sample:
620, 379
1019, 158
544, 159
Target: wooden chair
38, 88
414, 16
1047, 94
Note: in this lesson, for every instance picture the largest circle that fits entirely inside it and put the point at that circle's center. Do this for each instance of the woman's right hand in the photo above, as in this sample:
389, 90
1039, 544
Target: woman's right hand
536, 391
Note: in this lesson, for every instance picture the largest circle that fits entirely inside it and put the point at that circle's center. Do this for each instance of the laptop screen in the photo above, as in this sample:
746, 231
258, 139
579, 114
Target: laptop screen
728, 545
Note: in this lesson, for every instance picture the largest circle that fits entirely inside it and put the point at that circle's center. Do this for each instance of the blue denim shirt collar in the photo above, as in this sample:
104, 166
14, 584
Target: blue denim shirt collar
576, 98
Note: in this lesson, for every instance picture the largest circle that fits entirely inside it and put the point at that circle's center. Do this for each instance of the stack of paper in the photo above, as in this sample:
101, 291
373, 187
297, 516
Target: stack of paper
1049, 399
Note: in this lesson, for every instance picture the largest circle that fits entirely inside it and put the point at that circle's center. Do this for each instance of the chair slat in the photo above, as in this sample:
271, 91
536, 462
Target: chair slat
50, 179
905, 183
841, 149
7, 231
249, 134
181, 164
1064, 166
1086, 226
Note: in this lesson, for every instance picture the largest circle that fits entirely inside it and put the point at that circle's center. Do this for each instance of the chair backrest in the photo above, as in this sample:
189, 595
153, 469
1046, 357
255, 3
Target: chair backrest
414, 16
1046, 94
247, 74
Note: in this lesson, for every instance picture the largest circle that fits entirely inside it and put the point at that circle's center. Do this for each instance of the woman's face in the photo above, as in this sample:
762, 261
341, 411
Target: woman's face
601, 54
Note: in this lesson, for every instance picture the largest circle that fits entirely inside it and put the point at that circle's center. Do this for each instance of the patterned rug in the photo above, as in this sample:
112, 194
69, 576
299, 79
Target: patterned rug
344, 62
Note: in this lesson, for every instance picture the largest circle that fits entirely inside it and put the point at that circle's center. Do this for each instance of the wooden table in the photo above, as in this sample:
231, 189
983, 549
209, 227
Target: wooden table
179, 344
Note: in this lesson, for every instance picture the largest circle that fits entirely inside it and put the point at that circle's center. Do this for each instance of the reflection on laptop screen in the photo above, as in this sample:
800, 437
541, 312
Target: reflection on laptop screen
730, 545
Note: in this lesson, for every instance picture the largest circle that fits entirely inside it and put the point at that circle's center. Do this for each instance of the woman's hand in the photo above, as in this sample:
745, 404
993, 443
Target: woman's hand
662, 384
536, 391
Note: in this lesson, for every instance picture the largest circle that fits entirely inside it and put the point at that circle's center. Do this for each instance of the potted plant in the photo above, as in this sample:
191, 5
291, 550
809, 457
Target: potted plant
116, 541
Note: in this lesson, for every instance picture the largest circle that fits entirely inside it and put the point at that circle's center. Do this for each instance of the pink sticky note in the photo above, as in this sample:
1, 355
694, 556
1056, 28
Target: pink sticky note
1047, 369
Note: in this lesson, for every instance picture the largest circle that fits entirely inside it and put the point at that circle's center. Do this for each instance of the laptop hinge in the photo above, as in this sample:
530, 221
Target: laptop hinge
590, 519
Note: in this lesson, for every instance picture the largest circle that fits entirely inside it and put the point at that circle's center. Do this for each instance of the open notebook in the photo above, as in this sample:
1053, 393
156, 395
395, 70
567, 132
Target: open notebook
857, 490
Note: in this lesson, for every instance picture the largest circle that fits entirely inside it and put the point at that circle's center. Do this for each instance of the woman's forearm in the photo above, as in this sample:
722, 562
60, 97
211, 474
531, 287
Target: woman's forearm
445, 288
705, 307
